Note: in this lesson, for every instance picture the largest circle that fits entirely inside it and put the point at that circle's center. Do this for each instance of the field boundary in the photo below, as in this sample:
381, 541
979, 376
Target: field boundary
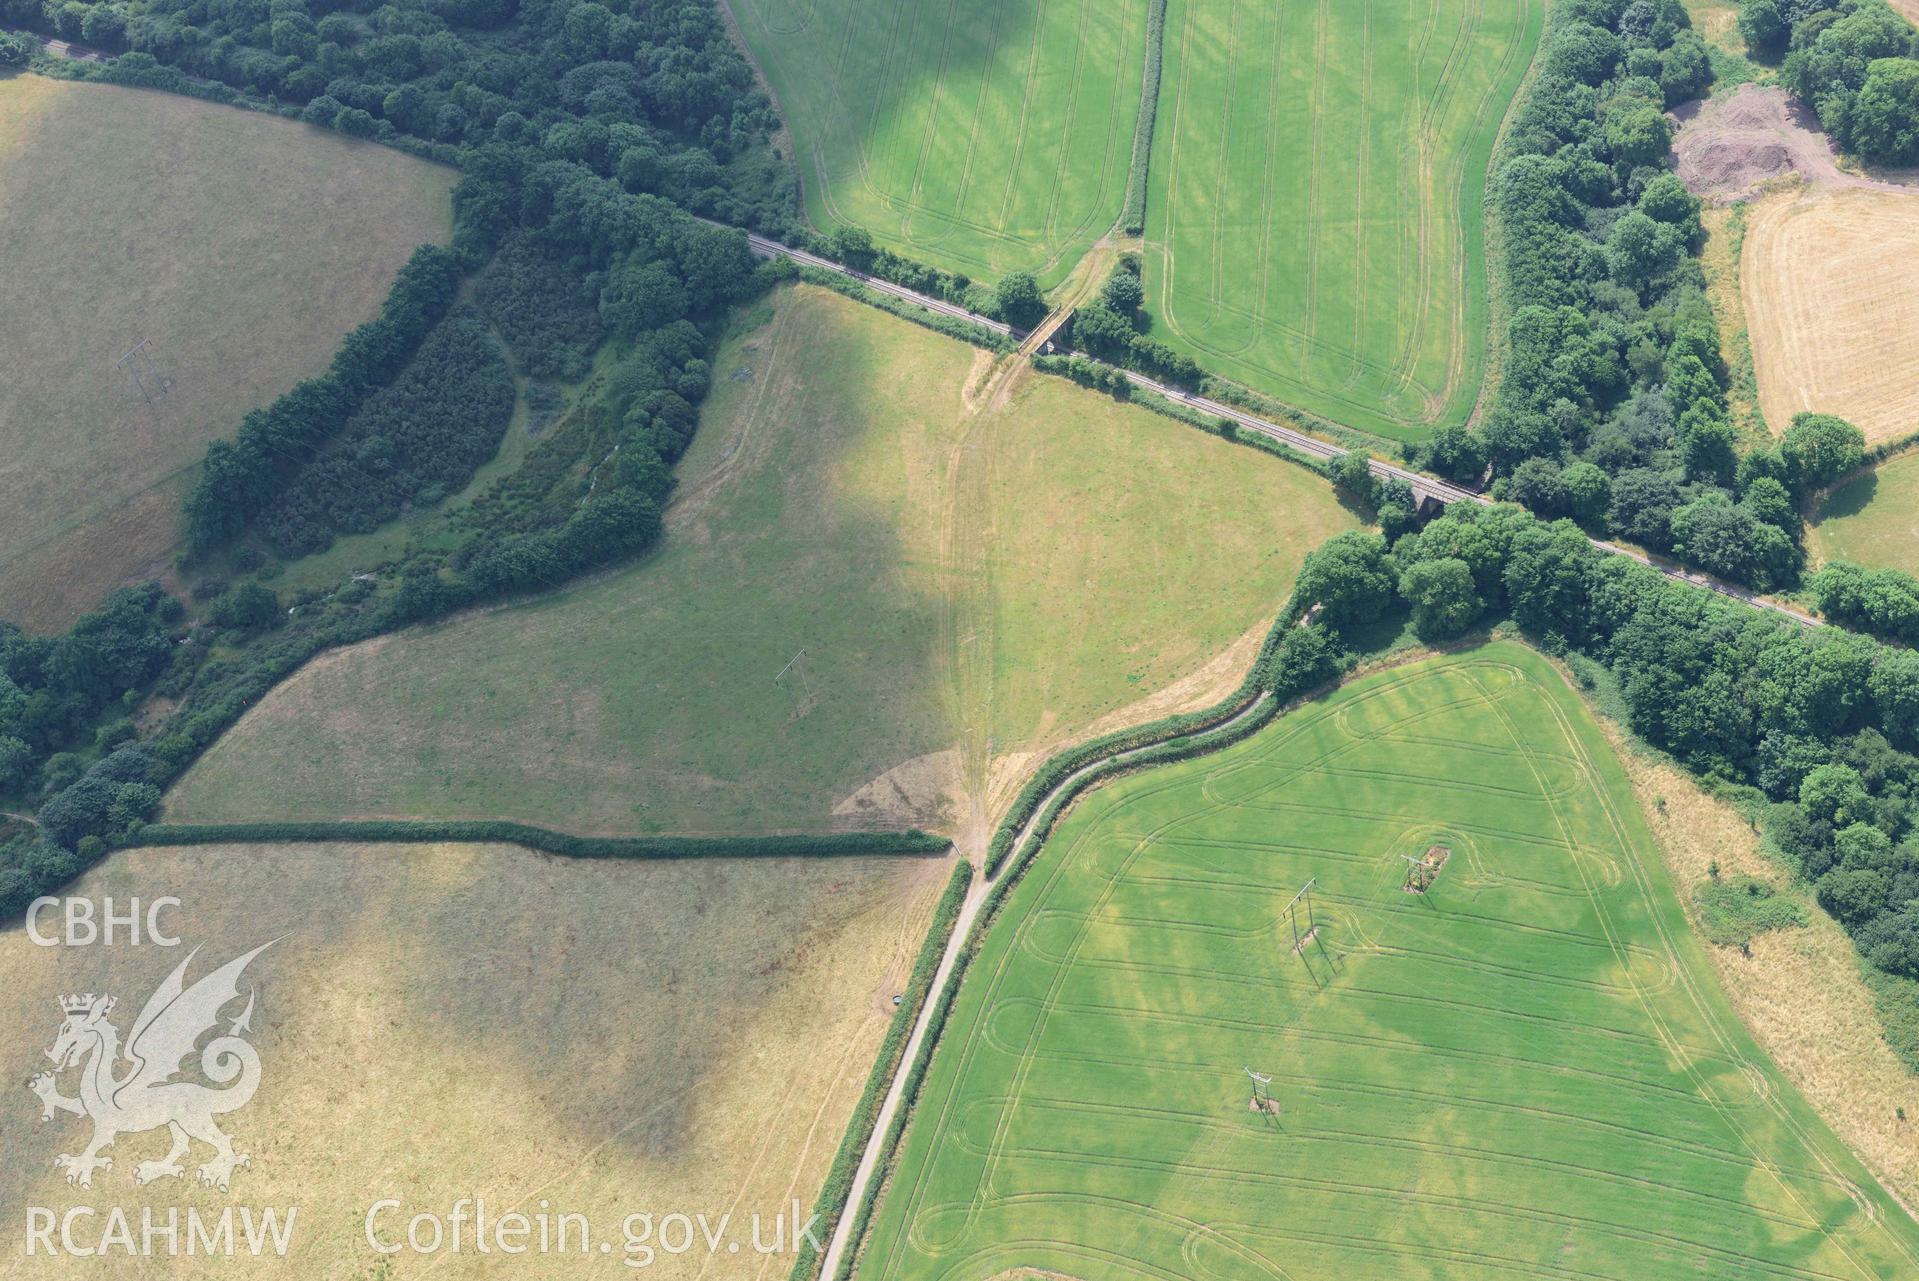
950, 326
1046, 796
544, 839
831, 1201
1132, 214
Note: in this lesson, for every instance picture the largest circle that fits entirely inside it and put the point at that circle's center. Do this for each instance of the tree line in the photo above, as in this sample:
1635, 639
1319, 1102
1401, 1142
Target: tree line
1115, 327
413, 403
1611, 408
651, 92
1822, 724
1855, 62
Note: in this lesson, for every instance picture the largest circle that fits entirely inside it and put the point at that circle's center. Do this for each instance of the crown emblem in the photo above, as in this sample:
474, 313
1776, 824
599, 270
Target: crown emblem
81, 1004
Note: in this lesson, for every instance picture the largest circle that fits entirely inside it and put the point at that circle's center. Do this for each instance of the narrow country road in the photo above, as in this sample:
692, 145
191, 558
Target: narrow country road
842, 1240
1445, 491
956, 944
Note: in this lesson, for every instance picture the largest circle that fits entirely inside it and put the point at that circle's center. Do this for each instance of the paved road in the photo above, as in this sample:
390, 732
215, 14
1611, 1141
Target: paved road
1421, 482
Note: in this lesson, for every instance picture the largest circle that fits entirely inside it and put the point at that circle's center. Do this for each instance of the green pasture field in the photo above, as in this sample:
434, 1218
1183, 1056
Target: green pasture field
1527, 1072
1873, 519
980, 138
240, 247
1314, 222
893, 570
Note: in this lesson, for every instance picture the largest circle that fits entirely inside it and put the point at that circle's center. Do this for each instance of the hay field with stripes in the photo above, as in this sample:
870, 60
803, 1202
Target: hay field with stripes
1834, 318
981, 138
1527, 1071
1314, 225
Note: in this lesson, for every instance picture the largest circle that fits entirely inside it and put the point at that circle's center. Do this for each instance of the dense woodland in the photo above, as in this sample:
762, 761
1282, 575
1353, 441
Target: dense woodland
1856, 62
1611, 408
584, 136
586, 132
651, 92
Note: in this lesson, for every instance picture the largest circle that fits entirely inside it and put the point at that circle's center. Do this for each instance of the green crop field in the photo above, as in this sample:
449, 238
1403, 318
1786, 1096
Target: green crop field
1873, 520
1314, 227
1527, 1072
237, 246
883, 585
977, 137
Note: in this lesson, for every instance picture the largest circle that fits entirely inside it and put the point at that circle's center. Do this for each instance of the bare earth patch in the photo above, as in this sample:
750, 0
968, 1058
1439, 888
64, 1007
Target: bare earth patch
1730, 148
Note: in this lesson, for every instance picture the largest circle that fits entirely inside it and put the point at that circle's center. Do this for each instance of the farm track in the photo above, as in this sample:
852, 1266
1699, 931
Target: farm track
1422, 483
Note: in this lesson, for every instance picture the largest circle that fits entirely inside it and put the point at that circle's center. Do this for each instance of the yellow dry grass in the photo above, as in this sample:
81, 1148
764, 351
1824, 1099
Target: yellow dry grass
242, 246
1725, 232
1833, 313
1800, 992
476, 1021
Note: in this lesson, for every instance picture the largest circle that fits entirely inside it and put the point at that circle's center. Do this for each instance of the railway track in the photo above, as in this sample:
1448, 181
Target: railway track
1420, 482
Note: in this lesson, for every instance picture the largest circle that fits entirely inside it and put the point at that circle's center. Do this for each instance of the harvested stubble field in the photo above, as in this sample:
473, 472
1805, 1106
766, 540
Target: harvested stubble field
1314, 228
1529, 1071
979, 138
439, 1022
1834, 315
894, 570
238, 245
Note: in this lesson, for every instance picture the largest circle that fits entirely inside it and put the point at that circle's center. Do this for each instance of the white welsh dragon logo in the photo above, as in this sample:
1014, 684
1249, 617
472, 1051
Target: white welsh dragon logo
144, 1096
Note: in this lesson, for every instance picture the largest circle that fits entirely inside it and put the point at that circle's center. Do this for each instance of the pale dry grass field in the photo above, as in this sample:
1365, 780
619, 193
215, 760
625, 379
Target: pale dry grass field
1834, 315
239, 245
895, 572
1800, 992
438, 1022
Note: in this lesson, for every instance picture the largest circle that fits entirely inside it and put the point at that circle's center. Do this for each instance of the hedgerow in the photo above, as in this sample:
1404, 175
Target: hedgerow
831, 1201
568, 844
951, 326
1267, 675
1132, 218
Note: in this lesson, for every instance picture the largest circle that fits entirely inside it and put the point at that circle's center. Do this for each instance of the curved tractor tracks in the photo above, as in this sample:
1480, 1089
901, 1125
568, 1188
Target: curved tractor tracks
1422, 484
962, 937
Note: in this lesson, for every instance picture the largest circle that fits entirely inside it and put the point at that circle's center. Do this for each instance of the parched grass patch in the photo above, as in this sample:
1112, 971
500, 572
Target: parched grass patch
237, 246
1834, 318
979, 138
457, 1021
1873, 519
1314, 229
1821, 1014
890, 575
1528, 1071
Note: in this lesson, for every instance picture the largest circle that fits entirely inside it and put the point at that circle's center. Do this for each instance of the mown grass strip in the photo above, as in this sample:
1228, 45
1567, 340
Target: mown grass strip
859, 1127
547, 840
